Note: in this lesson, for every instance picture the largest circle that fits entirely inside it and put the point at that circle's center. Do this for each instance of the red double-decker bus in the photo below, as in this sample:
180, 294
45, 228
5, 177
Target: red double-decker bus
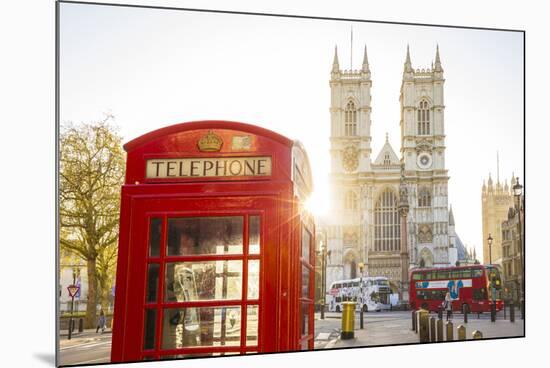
472, 288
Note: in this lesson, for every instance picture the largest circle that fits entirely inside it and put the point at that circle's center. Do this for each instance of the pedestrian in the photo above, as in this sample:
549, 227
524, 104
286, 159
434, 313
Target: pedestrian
101, 322
448, 305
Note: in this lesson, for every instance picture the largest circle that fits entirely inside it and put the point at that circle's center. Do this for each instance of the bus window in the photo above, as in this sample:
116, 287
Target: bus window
416, 276
455, 274
442, 275
466, 274
477, 273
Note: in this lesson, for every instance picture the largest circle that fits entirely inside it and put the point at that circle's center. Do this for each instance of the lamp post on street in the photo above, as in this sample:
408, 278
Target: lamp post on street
518, 192
490, 241
361, 267
324, 254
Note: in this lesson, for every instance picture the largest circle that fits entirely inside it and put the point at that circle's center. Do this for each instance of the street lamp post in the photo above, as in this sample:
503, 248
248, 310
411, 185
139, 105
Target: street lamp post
518, 191
490, 241
324, 254
323, 278
361, 267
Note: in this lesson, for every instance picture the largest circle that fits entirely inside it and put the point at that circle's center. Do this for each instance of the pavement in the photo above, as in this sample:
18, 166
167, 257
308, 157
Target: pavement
380, 328
395, 328
87, 347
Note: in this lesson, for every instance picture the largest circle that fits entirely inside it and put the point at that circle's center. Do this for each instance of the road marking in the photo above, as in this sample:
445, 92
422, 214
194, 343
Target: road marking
106, 360
331, 343
323, 336
86, 346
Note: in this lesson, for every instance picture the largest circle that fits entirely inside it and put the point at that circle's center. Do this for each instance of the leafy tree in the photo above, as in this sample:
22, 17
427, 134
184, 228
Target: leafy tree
91, 171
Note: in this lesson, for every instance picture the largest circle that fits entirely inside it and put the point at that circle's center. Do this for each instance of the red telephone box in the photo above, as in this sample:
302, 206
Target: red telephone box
216, 252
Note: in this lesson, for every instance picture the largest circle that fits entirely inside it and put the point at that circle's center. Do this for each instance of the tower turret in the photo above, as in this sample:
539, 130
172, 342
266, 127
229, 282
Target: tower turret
335, 63
438, 67
365, 70
408, 66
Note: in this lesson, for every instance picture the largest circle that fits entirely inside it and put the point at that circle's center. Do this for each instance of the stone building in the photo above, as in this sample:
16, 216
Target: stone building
364, 225
496, 199
512, 270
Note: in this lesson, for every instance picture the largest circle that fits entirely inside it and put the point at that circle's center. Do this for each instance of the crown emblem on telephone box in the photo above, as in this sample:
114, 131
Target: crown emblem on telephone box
210, 143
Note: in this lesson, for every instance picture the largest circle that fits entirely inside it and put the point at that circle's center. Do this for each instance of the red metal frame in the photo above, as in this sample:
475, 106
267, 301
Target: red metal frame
466, 294
273, 198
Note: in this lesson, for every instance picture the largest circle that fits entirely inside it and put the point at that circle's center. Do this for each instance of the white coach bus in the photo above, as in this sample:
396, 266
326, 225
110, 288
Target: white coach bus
376, 294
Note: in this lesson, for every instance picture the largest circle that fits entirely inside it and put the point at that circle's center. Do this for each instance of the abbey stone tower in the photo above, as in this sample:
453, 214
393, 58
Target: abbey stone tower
364, 223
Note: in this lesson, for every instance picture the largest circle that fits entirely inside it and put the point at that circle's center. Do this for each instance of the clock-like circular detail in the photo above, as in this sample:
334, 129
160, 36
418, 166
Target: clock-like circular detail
350, 158
424, 160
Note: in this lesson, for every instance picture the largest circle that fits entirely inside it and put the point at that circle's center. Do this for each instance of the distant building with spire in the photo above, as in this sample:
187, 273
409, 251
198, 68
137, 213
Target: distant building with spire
496, 199
366, 190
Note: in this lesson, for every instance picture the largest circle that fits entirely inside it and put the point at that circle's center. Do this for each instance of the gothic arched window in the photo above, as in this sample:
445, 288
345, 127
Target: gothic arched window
350, 202
350, 119
424, 198
423, 118
387, 236
387, 160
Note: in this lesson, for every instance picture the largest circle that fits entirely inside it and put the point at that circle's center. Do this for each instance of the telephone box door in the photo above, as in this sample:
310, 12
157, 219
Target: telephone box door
197, 271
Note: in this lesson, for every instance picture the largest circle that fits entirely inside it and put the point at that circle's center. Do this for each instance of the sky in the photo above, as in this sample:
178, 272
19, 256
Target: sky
152, 68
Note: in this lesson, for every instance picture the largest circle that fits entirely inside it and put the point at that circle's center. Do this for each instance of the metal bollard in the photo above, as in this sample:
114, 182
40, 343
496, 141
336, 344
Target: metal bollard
465, 311
73, 325
69, 329
476, 335
432, 329
461, 332
440, 312
512, 312
449, 325
423, 327
439, 328
361, 318
81, 325
504, 308
414, 321
348, 320
493, 312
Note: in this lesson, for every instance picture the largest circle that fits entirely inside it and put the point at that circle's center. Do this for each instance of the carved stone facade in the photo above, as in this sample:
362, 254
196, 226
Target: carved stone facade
369, 229
496, 199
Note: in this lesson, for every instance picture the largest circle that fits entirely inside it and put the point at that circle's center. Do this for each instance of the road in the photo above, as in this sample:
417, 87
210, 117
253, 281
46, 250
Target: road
327, 330
387, 327
85, 348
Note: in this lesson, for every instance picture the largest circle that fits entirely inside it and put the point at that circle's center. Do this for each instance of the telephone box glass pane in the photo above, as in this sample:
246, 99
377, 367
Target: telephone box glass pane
305, 282
154, 237
306, 240
149, 329
253, 279
305, 319
204, 280
252, 325
254, 235
152, 282
207, 326
205, 235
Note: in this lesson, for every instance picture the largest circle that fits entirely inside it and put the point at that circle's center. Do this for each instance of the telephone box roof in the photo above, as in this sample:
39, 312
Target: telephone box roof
205, 124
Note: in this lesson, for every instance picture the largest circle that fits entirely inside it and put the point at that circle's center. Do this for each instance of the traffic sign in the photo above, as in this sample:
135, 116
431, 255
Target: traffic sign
73, 289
